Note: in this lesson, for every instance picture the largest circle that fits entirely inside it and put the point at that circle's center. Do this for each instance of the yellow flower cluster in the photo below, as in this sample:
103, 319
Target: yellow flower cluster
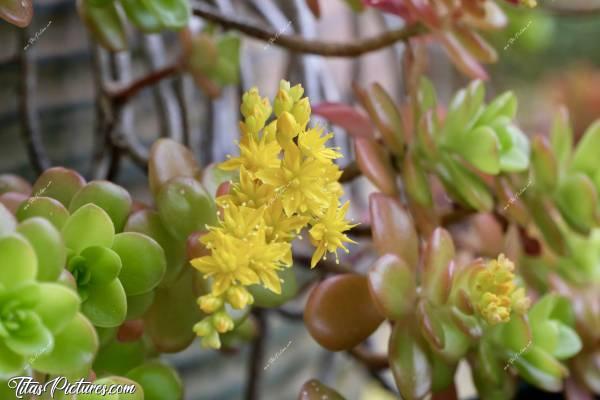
287, 181
495, 292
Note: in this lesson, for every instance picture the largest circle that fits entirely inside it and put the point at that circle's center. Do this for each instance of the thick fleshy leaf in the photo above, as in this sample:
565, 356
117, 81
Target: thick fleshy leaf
17, 260
141, 17
185, 207
464, 185
476, 45
45, 207
8, 223
430, 325
213, 177
393, 229
74, 349
340, 312
586, 158
48, 245
12, 201
562, 136
18, 12
315, 390
143, 261
541, 369
106, 306
393, 286
138, 305
103, 264
416, 181
409, 363
504, 105
544, 164
32, 339
160, 382
105, 23
516, 335
264, 297
88, 226
351, 119
542, 212
173, 14
170, 319
394, 119
149, 223
568, 344
513, 158
374, 162
169, 159
14, 183
58, 183
11, 363
117, 357
136, 388
112, 198
461, 57
59, 306
438, 266
577, 200
480, 147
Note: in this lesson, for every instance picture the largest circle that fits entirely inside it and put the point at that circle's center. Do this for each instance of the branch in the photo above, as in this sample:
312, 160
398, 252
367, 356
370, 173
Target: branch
299, 44
350, 172
256, 357
120, 95
373, 361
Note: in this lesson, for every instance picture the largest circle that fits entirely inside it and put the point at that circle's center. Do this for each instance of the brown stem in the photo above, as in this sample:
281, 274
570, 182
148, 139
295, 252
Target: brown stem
120, 95
255, 361
350, 172
372, 361
299, 44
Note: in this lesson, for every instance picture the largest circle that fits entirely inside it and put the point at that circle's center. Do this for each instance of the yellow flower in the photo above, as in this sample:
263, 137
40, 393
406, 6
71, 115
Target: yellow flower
280, 227
255, 155
495, 293
248, 192
301, 180
241, 221
287, 129
327, 233
256, 111
312, 144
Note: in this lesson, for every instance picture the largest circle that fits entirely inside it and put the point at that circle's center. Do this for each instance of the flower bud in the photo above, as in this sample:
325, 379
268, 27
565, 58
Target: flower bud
296, 92
239, 297
287, 128
204, 327
283, 103
211, 341
222, 322
209, 303
301, 112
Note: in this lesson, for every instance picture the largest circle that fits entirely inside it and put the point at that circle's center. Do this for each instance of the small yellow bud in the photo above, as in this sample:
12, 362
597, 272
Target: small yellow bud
222, 322
301, 112
204, 327
287, 128
239, 297
296, 92
283, 103
249, 101
211, 341
209, 303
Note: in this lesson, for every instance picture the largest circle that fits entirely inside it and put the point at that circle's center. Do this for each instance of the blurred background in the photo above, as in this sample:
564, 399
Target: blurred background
548, 56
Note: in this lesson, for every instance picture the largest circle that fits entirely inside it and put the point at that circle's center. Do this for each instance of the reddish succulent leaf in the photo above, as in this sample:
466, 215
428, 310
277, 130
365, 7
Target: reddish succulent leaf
463, 59
494, 17
397, 136
58, 183
393, 286
340, 312
396, 7
393, 229
169, 159
315, 390
14, 183
17, 12
374, 161
351, 119
430, 325
195, 249
314, 7
545, 166
131, 331
477, 45
437, 266
13, 200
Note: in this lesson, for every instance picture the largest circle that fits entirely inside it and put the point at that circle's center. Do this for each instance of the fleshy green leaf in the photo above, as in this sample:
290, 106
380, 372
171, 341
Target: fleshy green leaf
105, 23
504, 105
173, 14
103, 263
568, 344
58, 183
169, 159
58, 307
577, 200
112, 198
480, 148
438, 257
32, 338
562, 136
541, 369
8, 223
138, 305
11, 363
141, 17
106, 306
143, 260
17, 260
393, 287
74, 349
45, 207
48, 245
159, 381
88, 226
586, 158
119, 357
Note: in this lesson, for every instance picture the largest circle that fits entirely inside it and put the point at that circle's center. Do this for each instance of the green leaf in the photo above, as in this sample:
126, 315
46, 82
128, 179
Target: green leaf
88, 226
11, 363
173, 14
105, 23
45, 207
48, 245
74, 349
437, 267
58, 183
464, 184
480, 147
185, 207
103, 264
393, 287
17, 260
541, 369
544, 164
112, 198
393, 117
568, 344
141, 17
504, 105
516, 157
416, 180
159, 381
14, 183
8, 223
355, 5
143, 260
149, 223
138, 305
59, 306
577, 200
426, 96
169, 159
562, 136
106, 305
119, 357
32, 339
586, 158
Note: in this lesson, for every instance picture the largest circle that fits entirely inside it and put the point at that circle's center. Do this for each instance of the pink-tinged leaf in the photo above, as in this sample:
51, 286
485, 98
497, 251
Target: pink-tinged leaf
461, 57
17, 12
576, 391
14, 183
393, 229
424, 11
393, 286
430, 325
396, 7
314, 7
477, 45
12, 201
375, 163
494, 18
437, 266
351, 119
